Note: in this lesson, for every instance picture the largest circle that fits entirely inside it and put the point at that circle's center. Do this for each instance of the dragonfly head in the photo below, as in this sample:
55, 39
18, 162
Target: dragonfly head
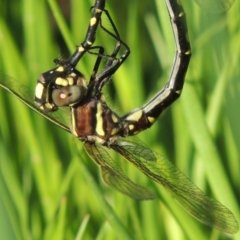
58, 88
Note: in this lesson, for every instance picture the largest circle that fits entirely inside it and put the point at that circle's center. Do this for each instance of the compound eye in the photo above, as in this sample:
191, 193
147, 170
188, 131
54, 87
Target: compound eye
67, 96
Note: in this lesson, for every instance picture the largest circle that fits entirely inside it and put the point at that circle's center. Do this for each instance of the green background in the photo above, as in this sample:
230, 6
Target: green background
50, 189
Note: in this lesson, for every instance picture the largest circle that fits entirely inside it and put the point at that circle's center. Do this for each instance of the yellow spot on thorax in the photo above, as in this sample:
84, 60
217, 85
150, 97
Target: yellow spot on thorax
73, 122
99, 120
114, 118
114, 131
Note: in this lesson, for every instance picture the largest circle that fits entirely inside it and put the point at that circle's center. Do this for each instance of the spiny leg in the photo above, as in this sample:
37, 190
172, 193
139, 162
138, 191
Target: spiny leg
95, 87
97, 82
142, 118
113, 62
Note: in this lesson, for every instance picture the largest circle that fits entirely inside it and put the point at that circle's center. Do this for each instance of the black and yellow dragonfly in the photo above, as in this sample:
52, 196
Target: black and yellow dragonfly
99, 128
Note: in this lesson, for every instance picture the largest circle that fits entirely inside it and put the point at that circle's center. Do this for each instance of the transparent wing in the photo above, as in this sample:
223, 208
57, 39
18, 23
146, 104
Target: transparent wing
196, 202
25, 95
114, 176
215, 6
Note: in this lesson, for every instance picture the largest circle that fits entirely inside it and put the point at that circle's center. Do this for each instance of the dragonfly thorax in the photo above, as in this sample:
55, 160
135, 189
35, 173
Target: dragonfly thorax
94, 121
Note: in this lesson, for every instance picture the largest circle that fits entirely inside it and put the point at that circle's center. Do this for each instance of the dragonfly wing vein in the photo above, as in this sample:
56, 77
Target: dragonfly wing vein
195, 201
114, 176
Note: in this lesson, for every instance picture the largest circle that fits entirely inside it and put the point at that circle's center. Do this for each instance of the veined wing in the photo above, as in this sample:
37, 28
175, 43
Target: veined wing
114, 176
196, 202
215, 6
24, 95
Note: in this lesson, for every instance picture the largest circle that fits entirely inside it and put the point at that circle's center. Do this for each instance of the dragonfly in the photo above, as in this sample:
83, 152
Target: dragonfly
100, 128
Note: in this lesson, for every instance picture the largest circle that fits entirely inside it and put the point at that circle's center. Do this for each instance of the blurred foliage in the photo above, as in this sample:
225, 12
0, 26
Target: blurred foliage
49, 188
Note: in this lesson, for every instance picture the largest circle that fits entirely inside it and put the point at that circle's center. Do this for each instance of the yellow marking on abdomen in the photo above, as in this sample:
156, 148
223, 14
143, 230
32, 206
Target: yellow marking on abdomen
135, 116
178, 92
93, 21
131, 127
81, 49
180, 14
98, 10
151, 119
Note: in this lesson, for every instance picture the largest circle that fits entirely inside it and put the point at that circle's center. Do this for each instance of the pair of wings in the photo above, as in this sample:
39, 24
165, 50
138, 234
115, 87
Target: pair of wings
152, 164
155, 166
